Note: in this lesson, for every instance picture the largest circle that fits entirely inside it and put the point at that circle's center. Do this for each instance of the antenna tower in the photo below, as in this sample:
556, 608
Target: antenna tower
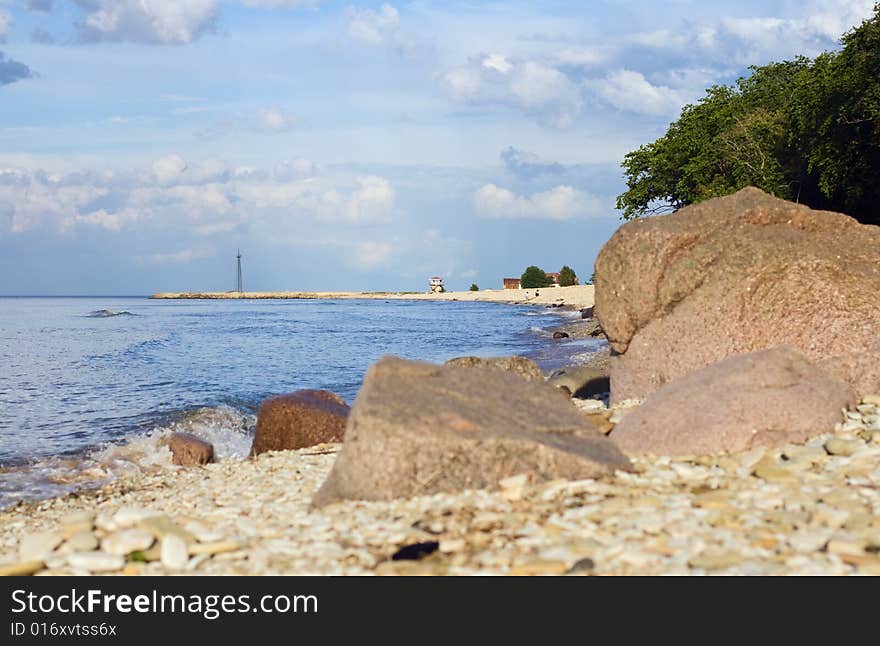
238, 272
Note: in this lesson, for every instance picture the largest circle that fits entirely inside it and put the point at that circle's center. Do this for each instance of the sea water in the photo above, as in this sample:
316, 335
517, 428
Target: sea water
88, 386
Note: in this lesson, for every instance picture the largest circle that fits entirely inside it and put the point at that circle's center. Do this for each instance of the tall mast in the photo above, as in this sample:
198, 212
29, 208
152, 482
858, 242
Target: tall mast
238, 272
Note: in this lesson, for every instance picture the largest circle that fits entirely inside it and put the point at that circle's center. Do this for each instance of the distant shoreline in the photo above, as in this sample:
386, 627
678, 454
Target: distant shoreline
575, 296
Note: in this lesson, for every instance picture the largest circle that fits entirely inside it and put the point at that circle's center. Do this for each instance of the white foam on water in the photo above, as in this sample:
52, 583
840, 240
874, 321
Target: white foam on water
228, 429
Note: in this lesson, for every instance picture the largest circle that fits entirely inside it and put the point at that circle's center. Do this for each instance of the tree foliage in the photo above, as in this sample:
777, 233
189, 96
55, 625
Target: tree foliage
533, 277
474, 287
806, 130
567, 276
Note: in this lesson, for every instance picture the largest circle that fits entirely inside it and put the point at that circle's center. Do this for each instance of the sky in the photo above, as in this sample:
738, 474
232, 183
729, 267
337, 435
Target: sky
343, 145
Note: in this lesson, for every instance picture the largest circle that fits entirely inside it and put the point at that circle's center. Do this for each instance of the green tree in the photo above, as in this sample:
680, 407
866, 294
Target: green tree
805, 130
567, 276
474, 287
533, 277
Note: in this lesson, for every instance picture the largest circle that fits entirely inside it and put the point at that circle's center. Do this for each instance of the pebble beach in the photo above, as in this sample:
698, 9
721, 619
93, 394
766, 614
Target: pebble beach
800, 509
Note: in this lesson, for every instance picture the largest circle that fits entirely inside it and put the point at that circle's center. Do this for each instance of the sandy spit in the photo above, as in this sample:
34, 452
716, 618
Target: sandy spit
574, 296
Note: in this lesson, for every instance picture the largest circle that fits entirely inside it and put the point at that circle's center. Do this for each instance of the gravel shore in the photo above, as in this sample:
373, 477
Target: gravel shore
807, 509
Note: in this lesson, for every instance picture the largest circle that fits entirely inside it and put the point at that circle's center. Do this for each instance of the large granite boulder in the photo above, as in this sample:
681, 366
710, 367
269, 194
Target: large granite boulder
735, 275
766, 398
418, 428
521, 366
299, 420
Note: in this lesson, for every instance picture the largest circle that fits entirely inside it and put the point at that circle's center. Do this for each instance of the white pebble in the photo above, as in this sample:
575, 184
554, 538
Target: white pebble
175, 552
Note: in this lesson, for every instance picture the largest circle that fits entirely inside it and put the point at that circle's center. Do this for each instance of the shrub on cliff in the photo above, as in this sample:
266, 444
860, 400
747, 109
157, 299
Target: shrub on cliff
474, 287
533, 277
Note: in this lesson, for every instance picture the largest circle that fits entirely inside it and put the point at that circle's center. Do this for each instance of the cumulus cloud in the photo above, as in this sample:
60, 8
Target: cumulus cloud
168, 169
372, 254
373, 27
631, 91
294, 169
205, 198
528, 165
531, 86
581, 56
757, 39
12, 71
156, 22
274, 119
819, 24
181, 256
558, 203
6, 23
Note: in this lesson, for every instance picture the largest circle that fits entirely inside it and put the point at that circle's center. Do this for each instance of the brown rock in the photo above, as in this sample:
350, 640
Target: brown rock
299, 420
581, 381
560, 335
188, 449
766, 398
517, 365
417, 428
735, 275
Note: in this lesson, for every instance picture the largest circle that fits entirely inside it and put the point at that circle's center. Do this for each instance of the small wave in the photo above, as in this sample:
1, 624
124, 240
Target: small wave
105, 314
228, 429
540, 331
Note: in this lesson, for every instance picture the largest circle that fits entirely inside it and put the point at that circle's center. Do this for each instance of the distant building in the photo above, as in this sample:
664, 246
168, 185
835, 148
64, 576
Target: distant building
436, 284
552, 277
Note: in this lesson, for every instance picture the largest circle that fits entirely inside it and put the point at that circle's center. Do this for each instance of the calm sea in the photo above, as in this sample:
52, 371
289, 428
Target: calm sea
88, 385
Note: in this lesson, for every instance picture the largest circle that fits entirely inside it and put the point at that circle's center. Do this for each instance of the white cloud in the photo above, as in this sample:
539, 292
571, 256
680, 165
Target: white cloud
372, 254
158, 22
376, 28
371, 202
182, 256
582, 56
6, 23
168, 169
631, 91
294, 169
534, 87
498, 63
558, 203
101, 218
204, 198
528, 164
274, 119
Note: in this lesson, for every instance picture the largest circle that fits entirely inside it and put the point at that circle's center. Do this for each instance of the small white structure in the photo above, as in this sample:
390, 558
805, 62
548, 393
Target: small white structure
436, 285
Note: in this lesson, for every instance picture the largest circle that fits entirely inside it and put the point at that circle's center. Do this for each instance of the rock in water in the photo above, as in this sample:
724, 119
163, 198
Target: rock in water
517, 365
580, 381
766, 398
418, 428
299, 420
735, 275
560, 335
188, 449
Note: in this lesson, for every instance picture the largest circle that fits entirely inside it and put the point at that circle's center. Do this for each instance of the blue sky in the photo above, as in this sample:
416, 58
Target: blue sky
344, 145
